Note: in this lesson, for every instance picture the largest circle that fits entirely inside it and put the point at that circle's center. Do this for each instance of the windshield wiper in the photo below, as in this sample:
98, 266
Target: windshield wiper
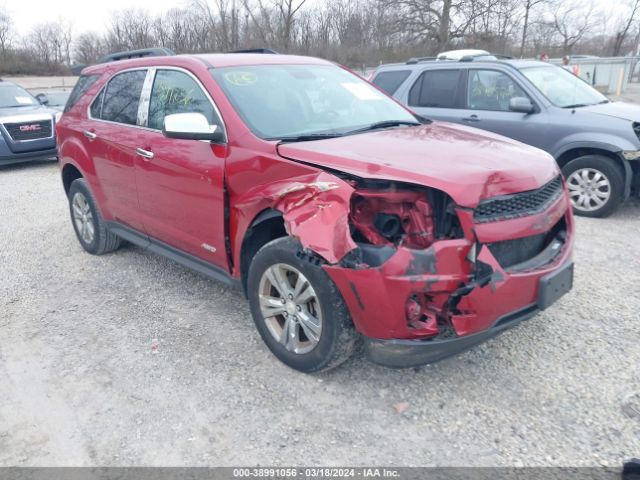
307, 137
384, 124
578, 105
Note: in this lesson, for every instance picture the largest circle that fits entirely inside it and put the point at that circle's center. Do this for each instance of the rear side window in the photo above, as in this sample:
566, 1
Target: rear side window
391, 81
176, 92
436, 88
122, 97
83, 84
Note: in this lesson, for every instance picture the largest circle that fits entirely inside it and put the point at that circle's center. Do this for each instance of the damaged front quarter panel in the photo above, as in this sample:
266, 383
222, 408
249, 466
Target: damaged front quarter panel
315, 209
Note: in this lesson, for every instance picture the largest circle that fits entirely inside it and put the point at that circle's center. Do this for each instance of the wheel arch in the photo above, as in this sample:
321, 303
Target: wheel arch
70, 173
605, 151
265, 227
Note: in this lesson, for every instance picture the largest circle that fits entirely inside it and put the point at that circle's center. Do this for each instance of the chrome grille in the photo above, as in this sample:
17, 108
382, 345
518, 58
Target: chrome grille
34, 130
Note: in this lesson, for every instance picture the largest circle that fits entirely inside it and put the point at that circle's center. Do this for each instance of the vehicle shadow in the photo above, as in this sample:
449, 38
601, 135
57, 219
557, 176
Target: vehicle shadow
35, 165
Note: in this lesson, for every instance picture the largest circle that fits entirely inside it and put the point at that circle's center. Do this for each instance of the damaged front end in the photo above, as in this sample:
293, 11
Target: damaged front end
424, 278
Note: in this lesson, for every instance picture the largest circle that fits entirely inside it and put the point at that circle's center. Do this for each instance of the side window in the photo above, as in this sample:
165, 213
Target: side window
391, 81
176, 92
122, 97
491, 90
83, 84
435, 88
96, 106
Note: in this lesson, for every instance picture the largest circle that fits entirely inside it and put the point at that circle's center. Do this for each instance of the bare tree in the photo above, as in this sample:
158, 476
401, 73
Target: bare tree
528, 6
623, 30
88, 48
571, 20
130, 29
6, 31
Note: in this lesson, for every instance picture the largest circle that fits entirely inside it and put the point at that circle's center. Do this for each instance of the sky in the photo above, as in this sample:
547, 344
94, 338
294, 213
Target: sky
93, 15
85, 15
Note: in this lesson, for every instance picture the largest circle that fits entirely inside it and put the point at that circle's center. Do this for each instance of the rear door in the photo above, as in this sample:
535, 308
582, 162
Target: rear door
437, 94
487, 95
180, 182
111, 138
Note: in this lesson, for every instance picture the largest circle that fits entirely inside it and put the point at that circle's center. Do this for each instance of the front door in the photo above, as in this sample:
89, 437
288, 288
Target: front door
181, 182
486, 106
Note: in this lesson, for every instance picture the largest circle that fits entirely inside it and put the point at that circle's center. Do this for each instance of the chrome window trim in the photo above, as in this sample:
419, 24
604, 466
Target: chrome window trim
198, 83
104, 88
145, 97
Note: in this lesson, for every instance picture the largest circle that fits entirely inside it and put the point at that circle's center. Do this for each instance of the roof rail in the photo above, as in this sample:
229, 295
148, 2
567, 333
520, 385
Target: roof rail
143, 52
255, 50
414, 60
491, 56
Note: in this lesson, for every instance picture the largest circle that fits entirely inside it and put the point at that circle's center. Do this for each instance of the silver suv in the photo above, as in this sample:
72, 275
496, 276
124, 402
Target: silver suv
594, 140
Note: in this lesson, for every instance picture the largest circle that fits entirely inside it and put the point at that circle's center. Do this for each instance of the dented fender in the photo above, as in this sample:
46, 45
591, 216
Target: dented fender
315, 209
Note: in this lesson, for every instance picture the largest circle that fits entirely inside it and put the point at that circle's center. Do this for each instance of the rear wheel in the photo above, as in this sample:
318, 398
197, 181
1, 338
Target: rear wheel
297, 309
92, 233
595, 184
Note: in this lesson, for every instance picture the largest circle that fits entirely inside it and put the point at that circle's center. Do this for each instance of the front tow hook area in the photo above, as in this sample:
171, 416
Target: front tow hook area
414, 353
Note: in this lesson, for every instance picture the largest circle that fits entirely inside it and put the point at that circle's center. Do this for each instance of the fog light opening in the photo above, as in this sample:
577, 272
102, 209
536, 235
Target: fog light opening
419, 318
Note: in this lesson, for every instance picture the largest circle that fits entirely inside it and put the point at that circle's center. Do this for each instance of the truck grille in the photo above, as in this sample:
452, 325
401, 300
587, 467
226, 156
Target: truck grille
34, 130
519, 204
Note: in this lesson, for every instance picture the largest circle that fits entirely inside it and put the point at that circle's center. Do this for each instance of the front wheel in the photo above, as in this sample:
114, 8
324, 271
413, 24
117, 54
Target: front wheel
595, 184
297, 308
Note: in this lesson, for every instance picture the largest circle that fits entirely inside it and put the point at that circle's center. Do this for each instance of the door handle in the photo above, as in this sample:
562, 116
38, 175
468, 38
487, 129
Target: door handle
144, 153
472, 118
90, 135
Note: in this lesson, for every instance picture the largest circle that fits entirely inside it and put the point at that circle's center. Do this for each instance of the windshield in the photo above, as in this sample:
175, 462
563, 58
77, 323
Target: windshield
285, 101
57, 99
14, 96
563, 88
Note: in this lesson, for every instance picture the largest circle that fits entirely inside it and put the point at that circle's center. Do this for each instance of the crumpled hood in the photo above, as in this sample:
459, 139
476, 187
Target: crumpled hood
466, 163
621, 110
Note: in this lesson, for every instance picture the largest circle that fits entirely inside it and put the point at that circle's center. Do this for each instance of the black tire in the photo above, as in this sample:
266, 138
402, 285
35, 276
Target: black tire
103, 240
338, 337
607, 167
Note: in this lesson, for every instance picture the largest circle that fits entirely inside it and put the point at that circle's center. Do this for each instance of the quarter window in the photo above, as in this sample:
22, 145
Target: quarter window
435, 88
83, 84
491, 90
96, 106
122, 97
176, 92
391, 81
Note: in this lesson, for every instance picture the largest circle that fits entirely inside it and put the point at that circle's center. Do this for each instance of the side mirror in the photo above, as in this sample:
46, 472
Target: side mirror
521, 105
42, 99
191, 126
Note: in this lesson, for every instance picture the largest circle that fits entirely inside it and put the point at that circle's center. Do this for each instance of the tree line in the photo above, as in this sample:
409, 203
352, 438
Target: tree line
352, 32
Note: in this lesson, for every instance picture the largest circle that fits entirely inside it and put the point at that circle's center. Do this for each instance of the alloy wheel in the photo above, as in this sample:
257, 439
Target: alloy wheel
83, 217
290, 308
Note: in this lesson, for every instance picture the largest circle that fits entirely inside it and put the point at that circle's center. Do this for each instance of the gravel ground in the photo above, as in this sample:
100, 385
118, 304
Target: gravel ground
130, 359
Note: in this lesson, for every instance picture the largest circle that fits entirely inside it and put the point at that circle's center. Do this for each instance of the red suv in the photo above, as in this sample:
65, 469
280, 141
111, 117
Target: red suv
342, 216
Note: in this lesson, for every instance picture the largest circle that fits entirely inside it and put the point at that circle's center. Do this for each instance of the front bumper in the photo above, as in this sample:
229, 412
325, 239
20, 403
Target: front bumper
15, 158
413, 353
462, 308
